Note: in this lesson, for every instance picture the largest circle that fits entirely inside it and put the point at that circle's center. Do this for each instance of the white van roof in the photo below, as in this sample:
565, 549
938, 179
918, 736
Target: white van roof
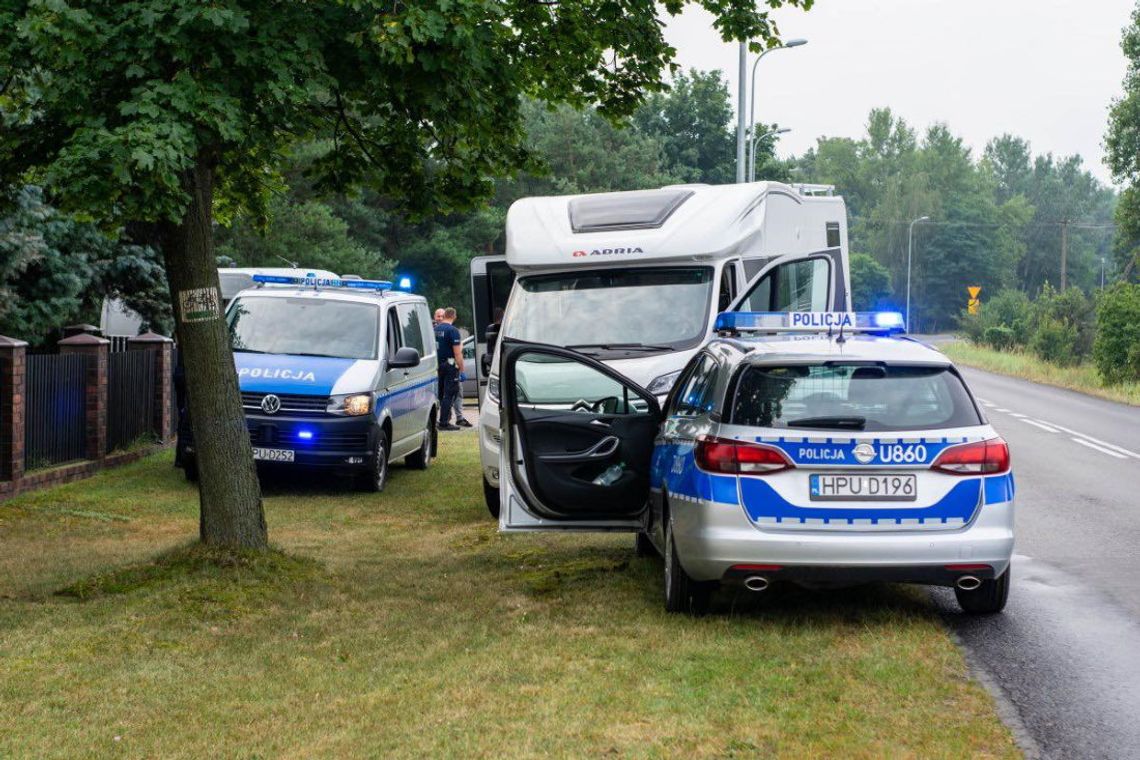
670, 223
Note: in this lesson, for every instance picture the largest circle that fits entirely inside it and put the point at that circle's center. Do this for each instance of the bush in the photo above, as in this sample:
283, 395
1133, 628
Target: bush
999, 337
870, 283
1005, 318
1063, 326
1116, 350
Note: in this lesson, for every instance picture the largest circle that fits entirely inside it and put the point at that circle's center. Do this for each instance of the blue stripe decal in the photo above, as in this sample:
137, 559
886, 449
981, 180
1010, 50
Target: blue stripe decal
674, 470
409, 399
840, 452
282, 373
999, 488
762, 501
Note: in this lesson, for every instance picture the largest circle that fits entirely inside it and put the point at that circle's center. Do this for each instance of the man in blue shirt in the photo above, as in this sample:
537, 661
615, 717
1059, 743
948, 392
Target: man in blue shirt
449, 350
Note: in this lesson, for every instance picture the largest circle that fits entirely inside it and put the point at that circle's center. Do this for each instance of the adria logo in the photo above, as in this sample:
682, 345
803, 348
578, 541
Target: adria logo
607, 252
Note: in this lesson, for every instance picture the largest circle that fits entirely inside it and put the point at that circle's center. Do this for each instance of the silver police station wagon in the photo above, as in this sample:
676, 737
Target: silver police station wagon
824, 449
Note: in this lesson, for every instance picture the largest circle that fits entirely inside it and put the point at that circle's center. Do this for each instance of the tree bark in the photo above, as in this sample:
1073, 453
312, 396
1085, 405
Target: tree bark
231, 514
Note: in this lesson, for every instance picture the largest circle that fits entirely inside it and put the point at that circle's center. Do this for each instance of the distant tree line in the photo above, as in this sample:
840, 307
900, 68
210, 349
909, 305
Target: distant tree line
997, 220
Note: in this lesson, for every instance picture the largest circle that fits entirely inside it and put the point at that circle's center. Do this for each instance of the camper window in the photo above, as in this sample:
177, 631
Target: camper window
645, 310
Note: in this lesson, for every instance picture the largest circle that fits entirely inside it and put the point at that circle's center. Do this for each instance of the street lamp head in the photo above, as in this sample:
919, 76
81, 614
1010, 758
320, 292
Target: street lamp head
923, 219
795, 43
782, 131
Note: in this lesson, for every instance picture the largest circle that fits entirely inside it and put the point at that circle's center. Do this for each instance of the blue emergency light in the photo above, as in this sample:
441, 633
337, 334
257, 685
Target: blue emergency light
876, 322
405, 283
312, 281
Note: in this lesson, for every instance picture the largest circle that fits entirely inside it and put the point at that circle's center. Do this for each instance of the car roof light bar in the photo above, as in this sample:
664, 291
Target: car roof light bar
772, 322
312, 281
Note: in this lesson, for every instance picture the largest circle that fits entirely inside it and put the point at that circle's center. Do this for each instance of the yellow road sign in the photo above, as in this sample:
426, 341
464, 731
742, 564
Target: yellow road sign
973, 290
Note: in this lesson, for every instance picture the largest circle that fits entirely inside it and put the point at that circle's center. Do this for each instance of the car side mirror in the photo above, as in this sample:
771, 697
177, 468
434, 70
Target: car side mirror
405, 358
491, 336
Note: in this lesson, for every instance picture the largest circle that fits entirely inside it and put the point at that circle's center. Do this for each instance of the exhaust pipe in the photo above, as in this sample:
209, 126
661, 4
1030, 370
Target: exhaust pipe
756, 583
968, 583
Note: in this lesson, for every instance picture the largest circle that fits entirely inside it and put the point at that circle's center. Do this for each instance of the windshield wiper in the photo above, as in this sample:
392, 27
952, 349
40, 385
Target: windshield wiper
323, 356
846, 423
623, 346
249, 351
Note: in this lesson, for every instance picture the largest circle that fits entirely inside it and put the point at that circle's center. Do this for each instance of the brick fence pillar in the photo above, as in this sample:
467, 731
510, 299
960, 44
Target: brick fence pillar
97, 350
13, 366
163, 407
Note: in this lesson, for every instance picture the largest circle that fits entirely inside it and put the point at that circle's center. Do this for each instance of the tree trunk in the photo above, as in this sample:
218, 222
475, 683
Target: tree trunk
229, 495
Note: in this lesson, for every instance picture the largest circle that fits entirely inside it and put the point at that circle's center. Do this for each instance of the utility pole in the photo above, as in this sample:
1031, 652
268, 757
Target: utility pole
741, 94
1064, 255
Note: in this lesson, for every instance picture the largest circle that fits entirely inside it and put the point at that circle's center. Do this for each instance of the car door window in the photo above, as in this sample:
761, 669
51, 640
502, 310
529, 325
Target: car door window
411, 326
695, 397
800, 285
392, 336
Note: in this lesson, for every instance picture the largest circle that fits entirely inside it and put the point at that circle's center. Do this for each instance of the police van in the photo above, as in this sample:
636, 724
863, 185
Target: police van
821, 449
636, 279
335, 373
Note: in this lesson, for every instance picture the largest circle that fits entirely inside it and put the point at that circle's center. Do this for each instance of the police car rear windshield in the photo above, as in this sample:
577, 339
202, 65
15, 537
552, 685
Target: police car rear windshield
614, 312
304, 327
839, 396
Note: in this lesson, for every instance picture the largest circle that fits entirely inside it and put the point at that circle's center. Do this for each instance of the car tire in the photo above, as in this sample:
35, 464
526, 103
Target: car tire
491, 497
421, 459
642, 546
682, 593
988, 598
375, 477
190, 467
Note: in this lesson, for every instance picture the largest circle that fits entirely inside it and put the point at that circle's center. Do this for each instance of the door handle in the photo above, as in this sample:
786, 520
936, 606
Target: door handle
603, 449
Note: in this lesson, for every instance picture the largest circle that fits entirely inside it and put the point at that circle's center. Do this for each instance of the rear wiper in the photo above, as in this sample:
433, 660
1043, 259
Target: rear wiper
623, 346
845, 423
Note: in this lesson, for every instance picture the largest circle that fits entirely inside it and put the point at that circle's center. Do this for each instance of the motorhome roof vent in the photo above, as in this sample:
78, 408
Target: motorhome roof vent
637, 210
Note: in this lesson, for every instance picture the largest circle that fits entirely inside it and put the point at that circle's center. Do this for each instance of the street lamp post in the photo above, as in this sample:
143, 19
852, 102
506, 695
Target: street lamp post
909, 252
752, 101
743, 68
752, 149
1102, 272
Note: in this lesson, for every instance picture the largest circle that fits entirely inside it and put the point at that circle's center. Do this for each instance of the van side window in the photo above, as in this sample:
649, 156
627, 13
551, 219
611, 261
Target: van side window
411, 326
727, 287
796, 286
392, 337
695, 396
833, 235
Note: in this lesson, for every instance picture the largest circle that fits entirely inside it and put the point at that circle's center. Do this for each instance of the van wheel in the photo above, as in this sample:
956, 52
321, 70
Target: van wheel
421, 458
491, 496
190, 467
682, 593
986, 599
376, 476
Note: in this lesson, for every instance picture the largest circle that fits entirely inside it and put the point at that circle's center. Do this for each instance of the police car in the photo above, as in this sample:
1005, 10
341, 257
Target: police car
818, 448
335, 373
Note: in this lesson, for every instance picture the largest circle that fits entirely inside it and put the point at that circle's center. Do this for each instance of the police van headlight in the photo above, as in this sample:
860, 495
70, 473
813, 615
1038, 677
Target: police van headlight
493, 388
351, 405
662, 385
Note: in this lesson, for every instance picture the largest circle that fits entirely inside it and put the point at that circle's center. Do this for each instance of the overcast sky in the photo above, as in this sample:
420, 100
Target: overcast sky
1045, 70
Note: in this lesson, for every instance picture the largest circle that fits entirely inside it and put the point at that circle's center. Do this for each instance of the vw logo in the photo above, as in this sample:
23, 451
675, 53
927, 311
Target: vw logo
270, 404
864, 452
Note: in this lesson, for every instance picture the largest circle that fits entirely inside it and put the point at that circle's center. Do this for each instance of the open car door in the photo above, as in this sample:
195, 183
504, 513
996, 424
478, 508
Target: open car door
806, 282
577, 442
491, 283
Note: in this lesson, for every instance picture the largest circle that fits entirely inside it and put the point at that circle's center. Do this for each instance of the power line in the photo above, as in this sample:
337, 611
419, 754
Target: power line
1071, 225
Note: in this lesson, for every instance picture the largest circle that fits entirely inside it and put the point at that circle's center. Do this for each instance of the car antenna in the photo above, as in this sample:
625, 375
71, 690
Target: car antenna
840, 340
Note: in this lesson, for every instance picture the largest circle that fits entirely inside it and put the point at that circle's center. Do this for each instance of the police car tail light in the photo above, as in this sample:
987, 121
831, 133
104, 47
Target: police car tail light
724, 455
981, 458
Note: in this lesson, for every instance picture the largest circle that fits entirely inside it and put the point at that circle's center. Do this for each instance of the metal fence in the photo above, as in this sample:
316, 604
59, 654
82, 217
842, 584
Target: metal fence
55, 421
130, 398
119, 343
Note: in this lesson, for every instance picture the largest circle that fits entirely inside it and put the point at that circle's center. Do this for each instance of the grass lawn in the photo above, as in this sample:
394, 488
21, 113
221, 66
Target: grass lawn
404, 625
1083, 377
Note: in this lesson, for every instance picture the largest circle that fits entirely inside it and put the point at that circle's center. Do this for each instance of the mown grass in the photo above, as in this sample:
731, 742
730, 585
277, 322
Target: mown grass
1082, 377
404, 625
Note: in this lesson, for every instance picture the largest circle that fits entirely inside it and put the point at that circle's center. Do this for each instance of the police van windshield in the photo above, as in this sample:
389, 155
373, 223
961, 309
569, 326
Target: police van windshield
836, 396
604, 311
304, 327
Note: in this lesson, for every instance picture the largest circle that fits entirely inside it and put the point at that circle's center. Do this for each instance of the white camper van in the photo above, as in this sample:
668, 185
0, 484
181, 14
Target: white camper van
637, 278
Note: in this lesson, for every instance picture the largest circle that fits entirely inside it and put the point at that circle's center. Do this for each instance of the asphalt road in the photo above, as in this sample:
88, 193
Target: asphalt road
1066, 652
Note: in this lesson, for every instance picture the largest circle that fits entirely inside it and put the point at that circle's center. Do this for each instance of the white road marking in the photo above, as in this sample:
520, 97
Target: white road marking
1110, 452
1098, 441
1001, 409
1046, 428
1018, 416
986, 404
